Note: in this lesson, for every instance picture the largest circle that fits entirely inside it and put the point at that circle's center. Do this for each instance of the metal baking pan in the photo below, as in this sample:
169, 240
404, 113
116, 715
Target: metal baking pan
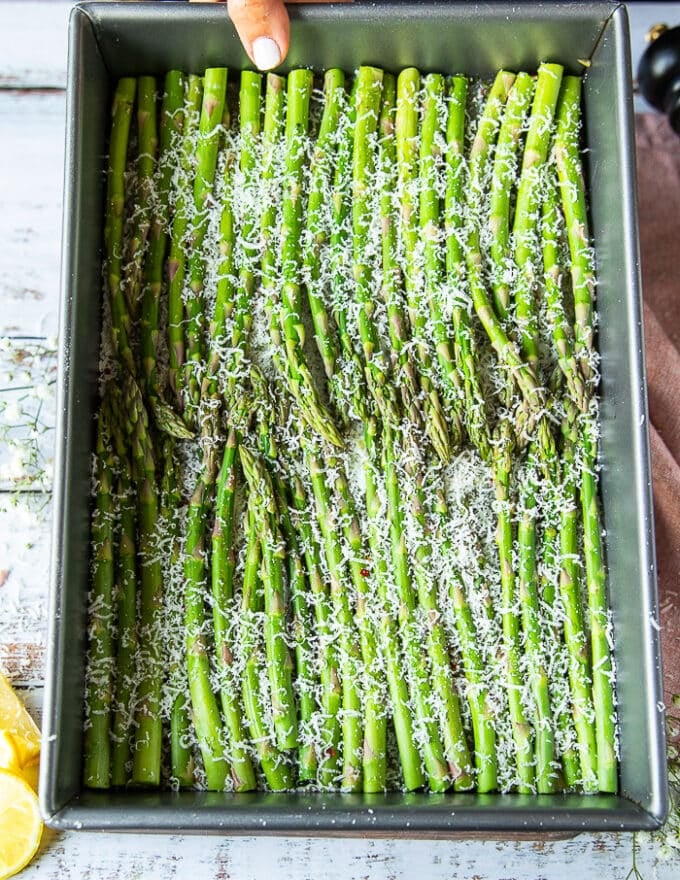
108, 40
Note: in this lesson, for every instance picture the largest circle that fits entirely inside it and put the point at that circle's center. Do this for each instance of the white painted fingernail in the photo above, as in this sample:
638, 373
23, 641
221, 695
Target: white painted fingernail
266, 53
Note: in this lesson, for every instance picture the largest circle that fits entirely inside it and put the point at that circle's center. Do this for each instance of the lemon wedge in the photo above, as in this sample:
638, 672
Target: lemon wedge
14, 717
20, 824
9, 755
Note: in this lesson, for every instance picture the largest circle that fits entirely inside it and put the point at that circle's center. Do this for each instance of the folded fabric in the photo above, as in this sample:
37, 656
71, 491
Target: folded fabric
658, 166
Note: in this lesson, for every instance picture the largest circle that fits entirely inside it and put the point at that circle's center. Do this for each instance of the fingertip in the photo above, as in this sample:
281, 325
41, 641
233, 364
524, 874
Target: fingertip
263, 28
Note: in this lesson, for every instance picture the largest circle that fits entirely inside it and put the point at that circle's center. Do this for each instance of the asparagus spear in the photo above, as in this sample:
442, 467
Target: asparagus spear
527, 208
156, 212
406, 131
476, 421
352, 373
596, 580
402, 717
204, 708
561, 331
207, 147
180, 223
404, 369
580, 672
182, 763
486, 760
349, 648
147, 144
133, 419
277, 772
272, 133
480, 152
121, 113
331, 692
375, 718
223, 562
321, 174
305, 683
502, 183
416, 658
170, 129
279, 661
100, 669
126, 615
531, 623
367, 99
300, 381
432, 134
453, 735
230, 303
521, 727
572, 188
566, 534
571, 180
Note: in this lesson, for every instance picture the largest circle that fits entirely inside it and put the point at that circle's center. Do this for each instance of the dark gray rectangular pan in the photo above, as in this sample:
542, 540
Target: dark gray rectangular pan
111, 39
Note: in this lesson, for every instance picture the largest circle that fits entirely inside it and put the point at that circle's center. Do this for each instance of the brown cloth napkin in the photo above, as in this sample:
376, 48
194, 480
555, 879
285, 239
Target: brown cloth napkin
658, 165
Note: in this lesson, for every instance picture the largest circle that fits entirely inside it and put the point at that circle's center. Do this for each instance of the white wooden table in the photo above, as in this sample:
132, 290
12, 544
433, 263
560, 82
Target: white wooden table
32, 104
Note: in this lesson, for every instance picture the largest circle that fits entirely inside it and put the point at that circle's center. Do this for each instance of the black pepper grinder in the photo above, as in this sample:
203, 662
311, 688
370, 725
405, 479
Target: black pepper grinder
659, 73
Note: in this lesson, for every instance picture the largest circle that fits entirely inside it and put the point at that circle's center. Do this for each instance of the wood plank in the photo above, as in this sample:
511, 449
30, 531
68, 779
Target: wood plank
24, 575
33, 43
146, 856
31, 172
28, 370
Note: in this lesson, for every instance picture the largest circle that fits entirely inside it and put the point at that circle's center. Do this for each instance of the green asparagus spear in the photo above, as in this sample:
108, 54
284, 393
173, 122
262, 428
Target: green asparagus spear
580, 673
527, 207
222, 565
367, 99
502, 183
204, 708
349, 647
406, 131
277, 772
571, 180
279, 660
521, 727
147, 148
572, 187
305, 675
416, 658
321, 174
403, 366
331, 692
207, 146
476, 421
101, 659
121, 114
170, 129
126, 614
300, 381
146, 765
402, 717
182, 762
431, 237
188, 121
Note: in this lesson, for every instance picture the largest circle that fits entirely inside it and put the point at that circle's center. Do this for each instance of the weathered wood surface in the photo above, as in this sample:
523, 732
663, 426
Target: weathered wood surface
32, 103
31, 169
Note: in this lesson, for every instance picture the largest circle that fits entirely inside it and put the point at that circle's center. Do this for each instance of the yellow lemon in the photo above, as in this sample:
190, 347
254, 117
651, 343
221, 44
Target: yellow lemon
31, 773
9, 757
14, 717
27, 750
20, 824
